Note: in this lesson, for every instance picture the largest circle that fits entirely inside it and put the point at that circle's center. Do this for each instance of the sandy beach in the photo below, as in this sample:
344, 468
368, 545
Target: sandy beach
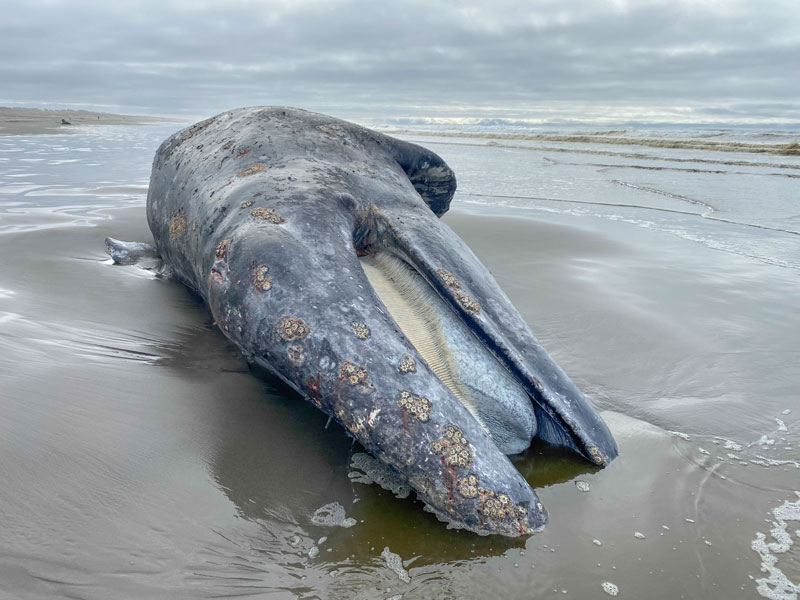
143, 458
34, 121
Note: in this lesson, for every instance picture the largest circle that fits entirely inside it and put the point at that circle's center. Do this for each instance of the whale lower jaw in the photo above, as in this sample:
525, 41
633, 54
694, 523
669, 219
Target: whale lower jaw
494, 398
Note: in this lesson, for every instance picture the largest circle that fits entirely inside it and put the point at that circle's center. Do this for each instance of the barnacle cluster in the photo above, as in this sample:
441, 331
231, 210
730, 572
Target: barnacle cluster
252, 170
292, 328
468, 486
332, 130
467, 303
177, 224
248, 203
222, 249
267, 214
360, 329
449, 279
499, 506
451, 282
192, 131
453, 447
419, 407
354, 373
407, 364
597, 456
263, 282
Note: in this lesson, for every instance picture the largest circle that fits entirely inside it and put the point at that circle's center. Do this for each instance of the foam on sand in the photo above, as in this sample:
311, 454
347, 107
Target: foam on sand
777, 586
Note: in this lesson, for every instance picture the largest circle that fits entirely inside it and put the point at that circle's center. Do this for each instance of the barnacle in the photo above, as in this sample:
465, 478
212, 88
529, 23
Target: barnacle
360, 329
261, 280
177, 224
248, 203
453, 447
467, 303
468, 486
267, 214
222, 249
449, 279
419, 407
499, 506
292, 328
252, 170
407, 364
353, 373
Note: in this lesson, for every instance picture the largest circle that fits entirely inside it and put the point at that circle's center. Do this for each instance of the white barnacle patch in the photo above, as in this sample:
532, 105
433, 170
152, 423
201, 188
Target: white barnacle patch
417, 407
252, 170
407, 364
360, 330
292, 328
267, 214
355, 374
177, 224
262, 281
468, 486
453, 447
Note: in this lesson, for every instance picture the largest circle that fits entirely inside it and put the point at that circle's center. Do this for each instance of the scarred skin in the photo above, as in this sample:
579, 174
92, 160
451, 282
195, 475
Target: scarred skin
264, 211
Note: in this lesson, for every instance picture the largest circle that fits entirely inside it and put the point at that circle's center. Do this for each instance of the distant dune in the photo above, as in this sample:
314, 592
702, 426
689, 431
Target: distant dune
27, 121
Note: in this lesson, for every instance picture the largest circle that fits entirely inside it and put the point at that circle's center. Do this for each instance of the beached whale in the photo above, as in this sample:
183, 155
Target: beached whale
317, 245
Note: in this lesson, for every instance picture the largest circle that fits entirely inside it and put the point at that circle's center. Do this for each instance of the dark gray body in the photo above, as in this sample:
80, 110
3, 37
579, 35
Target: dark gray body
264, 212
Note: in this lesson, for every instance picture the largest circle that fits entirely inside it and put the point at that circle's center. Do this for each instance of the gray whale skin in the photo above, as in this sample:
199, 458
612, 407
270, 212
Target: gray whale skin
317, 245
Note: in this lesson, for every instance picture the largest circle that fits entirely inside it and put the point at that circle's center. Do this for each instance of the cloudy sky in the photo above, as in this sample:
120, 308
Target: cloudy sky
591, 60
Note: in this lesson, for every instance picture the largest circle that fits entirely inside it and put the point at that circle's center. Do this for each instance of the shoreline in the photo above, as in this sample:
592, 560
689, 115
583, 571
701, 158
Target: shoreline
36, 121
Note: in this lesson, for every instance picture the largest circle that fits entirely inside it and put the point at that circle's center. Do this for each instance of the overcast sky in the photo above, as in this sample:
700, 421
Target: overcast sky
602, 60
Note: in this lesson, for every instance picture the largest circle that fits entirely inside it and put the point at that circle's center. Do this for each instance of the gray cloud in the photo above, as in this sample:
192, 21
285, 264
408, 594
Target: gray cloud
589, 59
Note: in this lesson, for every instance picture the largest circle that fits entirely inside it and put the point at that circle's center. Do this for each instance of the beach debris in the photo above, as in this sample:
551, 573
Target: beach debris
332, 515
583, 486
395, 563
610, 589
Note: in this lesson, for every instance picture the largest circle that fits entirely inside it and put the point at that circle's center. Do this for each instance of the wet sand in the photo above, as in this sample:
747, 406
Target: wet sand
141, 457
34, 121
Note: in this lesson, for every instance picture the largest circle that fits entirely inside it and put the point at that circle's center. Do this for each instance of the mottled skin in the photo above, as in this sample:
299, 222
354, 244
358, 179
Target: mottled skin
263, 212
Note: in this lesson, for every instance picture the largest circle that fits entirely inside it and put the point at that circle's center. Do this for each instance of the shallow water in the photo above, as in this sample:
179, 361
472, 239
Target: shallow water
140, 457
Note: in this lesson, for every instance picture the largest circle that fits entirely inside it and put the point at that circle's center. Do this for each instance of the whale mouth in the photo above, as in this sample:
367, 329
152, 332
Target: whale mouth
458, 358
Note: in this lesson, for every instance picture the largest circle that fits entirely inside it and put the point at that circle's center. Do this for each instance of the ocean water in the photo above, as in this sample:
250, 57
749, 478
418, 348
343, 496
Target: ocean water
140, 457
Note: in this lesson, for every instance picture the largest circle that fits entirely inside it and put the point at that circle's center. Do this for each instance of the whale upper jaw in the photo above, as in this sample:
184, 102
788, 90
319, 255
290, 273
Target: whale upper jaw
317, 246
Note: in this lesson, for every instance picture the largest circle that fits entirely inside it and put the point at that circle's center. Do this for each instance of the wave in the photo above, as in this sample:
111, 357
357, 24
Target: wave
787, 149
